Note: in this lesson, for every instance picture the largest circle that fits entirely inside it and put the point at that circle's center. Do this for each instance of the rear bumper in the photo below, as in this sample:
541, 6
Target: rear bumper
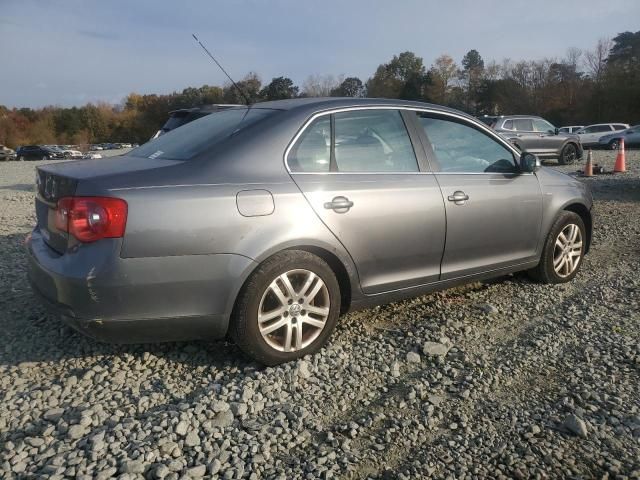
132, 300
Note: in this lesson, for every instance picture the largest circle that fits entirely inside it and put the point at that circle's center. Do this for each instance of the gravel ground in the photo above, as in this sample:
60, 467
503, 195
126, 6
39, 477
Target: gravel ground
503, 379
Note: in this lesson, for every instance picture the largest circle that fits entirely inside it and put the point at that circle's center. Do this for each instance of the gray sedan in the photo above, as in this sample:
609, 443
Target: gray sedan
265, 223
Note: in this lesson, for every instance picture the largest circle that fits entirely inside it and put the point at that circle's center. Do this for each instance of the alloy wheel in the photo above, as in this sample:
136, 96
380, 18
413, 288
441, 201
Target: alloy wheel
293, 310
569, 154
568, 250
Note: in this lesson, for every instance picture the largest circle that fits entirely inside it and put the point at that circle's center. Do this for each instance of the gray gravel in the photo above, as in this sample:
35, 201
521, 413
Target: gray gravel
502, 379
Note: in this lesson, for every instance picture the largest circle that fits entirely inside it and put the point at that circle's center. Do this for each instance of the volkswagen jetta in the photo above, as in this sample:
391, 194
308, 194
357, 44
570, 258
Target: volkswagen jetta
265, 223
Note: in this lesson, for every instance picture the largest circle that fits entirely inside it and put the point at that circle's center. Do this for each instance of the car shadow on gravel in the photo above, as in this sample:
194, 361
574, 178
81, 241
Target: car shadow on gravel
19, 187
50, 340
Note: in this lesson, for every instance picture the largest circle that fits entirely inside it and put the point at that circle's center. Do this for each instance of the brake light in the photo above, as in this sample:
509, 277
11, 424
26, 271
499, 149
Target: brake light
91, 218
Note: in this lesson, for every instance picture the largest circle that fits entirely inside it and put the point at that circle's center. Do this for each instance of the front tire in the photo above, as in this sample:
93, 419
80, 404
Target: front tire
568, 154
287, 308
21, 158
614, 144
563, 250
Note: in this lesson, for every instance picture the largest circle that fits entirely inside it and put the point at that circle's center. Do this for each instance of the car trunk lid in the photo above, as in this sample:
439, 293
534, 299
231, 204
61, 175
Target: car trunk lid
51, 187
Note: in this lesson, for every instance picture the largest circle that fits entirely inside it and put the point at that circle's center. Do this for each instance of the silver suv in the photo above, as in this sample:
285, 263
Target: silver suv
537, 136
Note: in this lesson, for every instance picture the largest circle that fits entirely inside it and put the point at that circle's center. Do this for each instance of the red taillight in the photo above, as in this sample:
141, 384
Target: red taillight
91, 218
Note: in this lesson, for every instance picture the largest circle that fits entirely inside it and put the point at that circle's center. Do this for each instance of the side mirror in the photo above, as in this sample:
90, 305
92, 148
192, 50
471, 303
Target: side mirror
529, 163
556, 131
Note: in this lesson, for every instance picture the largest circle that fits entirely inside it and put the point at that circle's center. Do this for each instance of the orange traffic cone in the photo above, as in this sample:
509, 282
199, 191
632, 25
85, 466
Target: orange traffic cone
620, 165
588, 168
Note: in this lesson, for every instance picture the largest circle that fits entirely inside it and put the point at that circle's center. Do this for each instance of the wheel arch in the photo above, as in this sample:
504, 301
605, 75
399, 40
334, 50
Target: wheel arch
584, 213
347, 283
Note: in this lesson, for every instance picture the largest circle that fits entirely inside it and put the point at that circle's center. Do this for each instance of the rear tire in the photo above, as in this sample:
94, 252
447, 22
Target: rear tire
296, 296
563, 250
568, 154
21, 158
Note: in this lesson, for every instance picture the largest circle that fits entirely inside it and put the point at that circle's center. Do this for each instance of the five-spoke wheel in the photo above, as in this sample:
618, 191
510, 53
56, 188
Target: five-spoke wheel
563, 250
287, 308
293, 310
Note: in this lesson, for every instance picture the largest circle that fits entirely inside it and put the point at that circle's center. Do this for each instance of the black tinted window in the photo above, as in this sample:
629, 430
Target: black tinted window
311, 153
462, 148
196, 137
373, 141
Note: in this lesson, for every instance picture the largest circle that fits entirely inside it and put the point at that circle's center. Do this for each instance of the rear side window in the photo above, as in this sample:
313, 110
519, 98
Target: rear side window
359, 141
312, 151
619, 127
508, 125
460, 148
198, 136
523, 124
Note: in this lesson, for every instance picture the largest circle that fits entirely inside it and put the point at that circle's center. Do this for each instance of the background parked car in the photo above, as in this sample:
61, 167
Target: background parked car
69, 152
38, 152
590, 135
570, 129
91, 155
537, 136
95, 148
178, 118
6, 154
612, 141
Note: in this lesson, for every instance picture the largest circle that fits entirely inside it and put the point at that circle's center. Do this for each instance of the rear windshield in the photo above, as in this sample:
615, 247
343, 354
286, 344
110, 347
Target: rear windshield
196, 137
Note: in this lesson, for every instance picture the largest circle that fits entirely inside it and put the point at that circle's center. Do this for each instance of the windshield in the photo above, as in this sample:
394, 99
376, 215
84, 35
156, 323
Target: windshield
196, 137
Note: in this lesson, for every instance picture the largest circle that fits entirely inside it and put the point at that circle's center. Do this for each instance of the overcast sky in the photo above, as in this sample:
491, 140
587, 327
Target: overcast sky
70, 52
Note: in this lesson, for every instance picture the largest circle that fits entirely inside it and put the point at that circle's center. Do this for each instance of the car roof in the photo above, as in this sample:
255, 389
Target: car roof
520, 116
324, 103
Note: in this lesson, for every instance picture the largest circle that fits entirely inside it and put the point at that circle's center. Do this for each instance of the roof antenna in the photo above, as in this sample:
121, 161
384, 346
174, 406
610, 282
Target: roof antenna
244, 95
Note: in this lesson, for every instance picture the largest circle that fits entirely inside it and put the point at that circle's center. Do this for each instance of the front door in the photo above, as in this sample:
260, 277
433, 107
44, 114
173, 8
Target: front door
493, 211
359, 172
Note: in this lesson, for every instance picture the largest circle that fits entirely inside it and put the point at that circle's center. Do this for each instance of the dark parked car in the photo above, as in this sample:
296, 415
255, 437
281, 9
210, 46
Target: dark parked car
180, 117
266, 223
536, 135
38, 152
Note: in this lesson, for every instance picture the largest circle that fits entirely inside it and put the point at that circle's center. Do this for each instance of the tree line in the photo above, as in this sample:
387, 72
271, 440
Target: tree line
583, 87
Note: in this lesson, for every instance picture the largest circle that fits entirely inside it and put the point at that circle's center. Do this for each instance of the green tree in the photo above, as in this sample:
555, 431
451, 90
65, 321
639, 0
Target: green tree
280, 88
403, 77
250, 85
350, 87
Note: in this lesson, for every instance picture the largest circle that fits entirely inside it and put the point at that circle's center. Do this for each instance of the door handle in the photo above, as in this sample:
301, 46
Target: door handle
458, 197
339, 204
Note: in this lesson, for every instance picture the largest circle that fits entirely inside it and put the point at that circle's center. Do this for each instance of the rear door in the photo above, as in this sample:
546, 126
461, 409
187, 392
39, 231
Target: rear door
493, 211
548, 140
526, 136
359, 171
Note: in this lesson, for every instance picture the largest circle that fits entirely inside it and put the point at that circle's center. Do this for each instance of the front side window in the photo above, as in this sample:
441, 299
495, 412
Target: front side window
373, 141
311, 153
523, 124
461, 148
508, 125
543, 126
